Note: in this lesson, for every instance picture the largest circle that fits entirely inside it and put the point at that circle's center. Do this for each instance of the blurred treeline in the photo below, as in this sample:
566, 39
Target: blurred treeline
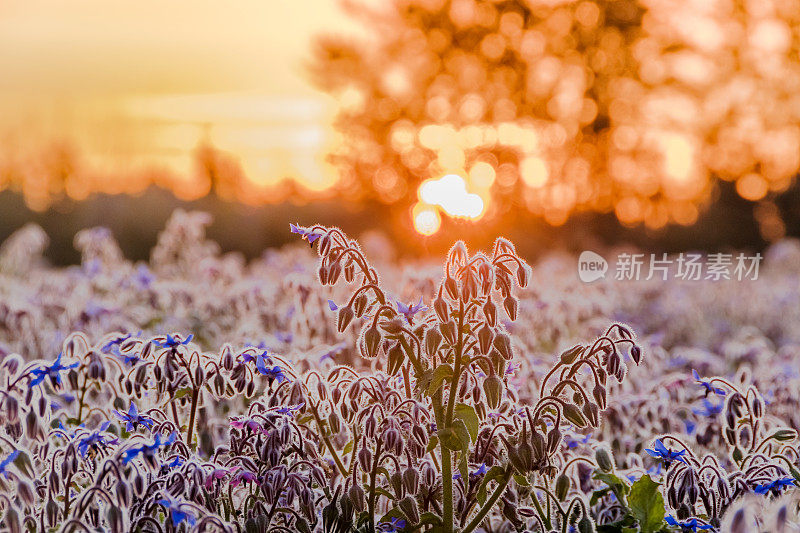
135, 221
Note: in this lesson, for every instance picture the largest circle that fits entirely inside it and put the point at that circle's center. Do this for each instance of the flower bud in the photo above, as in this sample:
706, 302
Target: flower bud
411, 480
408, 506
433, 339
502, 343
396, 357
493, 388
448, 330
485, 337
636, 354
511, 306
490, 312
451, 287
371, 342
603, 459
344, 317
357, 497
562, 487
365, 459
574, 415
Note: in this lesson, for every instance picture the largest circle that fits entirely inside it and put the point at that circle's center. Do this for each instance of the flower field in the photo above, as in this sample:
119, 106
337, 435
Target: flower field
331, 388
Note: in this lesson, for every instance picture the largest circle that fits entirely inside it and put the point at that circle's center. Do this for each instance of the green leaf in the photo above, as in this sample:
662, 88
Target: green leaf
433, 442
463, 434
522, 480
180, 393
463, 468
495, 472
617, 485
440, 374
467, 414
647, 504
450, 439
348, 447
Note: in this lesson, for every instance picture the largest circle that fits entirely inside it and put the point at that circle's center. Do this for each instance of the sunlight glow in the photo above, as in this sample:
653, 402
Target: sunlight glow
450, 193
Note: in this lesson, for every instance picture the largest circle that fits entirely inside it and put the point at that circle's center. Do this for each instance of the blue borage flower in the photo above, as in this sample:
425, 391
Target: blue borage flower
288, 409
710, 389
775, 486
7, 461
481, 470
107, 347
148, 450
392, 526
51, 371
174, 342
573, 442
273, 372
133, 419
664, 453
96, 440
691, 524
409, 310
332, 305
176, 513
709, 409
307, 234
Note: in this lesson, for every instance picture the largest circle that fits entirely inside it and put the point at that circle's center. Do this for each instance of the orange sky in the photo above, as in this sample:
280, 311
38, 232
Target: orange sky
140, 82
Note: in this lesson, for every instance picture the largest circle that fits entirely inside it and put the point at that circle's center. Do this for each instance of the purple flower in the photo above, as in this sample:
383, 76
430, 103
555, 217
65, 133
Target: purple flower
575, 442
307, 234
332, 305
392, 526
134, 419
217, 473
409, 310
115, 343
52, 371
289, 409
96, 440
774, 486
173, 342
148, 451
687, 525
273, 372
709, 409
664, 453
143, 277
707, 384
242, 476
7, 461
177, 515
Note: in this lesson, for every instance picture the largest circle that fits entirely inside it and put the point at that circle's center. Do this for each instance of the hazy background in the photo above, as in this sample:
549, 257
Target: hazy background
114, 113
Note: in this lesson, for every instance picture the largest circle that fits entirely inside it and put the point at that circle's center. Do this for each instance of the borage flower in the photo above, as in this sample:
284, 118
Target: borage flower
134, 419
273, 373
148, 451
96, 441
709, 409
409, 310
710, 388
7, 461
665, 454
242, 476
687, 525
392, 526
775, 486
174, 342
176, 514
288, 409
307, 234
51, 371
